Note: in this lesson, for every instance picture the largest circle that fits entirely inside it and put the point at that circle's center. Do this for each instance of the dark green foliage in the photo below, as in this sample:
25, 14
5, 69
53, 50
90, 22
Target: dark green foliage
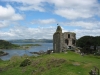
98, 54
7, 45
1, 69
48, 51
1, 52
25, 63
83, 41
86, 42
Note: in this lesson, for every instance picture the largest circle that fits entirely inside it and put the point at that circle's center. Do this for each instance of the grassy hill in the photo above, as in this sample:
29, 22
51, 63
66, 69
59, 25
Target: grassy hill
54, 64
7, 45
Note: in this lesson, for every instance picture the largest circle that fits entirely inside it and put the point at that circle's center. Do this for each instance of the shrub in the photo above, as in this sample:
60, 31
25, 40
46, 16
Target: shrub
48, 51
25, 63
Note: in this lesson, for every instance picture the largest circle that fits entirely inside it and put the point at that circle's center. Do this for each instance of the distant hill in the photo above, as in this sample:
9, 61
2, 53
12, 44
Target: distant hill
31, 41
7, 45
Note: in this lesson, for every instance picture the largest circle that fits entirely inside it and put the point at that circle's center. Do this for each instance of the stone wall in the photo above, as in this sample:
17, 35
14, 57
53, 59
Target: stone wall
57, 37
69, 39
62, 41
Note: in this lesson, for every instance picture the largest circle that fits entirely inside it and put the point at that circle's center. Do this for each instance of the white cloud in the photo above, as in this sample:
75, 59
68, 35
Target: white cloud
84, 32
19, 32
8, 16
27, 33
76, 3
34, 5
8, 13
4, 24
37, 2
74, 9
44, 21
69, 9
72, 13
80, 33
82, 24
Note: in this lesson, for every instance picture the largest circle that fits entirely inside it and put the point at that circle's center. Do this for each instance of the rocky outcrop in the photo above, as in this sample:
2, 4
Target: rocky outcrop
3, 53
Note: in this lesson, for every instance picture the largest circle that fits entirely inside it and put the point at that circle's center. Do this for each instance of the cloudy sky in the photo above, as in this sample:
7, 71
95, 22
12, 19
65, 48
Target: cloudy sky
38, 19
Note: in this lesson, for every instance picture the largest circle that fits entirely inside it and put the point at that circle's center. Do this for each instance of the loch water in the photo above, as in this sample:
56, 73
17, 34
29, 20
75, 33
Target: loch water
13, 52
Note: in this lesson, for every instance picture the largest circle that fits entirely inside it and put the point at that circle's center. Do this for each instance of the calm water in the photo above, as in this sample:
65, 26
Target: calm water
44, 47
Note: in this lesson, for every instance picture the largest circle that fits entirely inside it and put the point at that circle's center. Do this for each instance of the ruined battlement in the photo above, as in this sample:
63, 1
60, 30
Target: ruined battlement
63, 41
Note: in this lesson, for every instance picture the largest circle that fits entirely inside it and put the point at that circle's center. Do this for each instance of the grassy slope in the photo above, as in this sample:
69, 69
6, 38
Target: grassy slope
7, 45
53, 64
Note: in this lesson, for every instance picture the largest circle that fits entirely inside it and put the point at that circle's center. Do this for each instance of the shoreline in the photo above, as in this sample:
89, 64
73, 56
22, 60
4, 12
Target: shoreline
24, 46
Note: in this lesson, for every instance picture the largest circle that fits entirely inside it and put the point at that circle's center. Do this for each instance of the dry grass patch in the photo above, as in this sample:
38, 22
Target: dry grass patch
87, 65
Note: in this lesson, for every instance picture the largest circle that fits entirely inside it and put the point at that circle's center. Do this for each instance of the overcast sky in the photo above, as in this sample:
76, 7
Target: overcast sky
37, 19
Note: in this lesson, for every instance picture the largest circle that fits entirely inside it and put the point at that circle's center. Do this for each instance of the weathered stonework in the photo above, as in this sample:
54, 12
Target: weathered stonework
63, 41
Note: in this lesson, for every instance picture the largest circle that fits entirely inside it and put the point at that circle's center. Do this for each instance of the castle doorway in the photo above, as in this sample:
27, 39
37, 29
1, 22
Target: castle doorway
69, 47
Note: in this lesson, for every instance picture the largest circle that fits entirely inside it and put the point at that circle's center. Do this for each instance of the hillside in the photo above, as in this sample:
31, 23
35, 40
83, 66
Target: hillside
54, 64
31, 41
7, 45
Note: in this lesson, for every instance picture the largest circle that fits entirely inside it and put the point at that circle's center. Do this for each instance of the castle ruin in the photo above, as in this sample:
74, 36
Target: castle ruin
63, 41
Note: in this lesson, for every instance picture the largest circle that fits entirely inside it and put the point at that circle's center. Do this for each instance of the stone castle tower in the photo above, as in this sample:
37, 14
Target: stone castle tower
63, 41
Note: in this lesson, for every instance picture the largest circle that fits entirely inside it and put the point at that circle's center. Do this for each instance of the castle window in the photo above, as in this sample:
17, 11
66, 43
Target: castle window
68, 35
73, 42
66, 41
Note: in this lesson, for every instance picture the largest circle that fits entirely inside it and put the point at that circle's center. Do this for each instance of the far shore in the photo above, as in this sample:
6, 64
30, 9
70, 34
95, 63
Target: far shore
25, 46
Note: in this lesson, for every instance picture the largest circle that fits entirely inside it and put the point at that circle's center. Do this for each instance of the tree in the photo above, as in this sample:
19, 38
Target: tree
86, 42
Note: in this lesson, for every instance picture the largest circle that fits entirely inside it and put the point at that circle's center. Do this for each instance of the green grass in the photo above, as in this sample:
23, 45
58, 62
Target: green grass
53, 64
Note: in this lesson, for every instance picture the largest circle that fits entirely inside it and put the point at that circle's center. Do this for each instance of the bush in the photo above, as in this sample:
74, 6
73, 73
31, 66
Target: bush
48, 51
25, 63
